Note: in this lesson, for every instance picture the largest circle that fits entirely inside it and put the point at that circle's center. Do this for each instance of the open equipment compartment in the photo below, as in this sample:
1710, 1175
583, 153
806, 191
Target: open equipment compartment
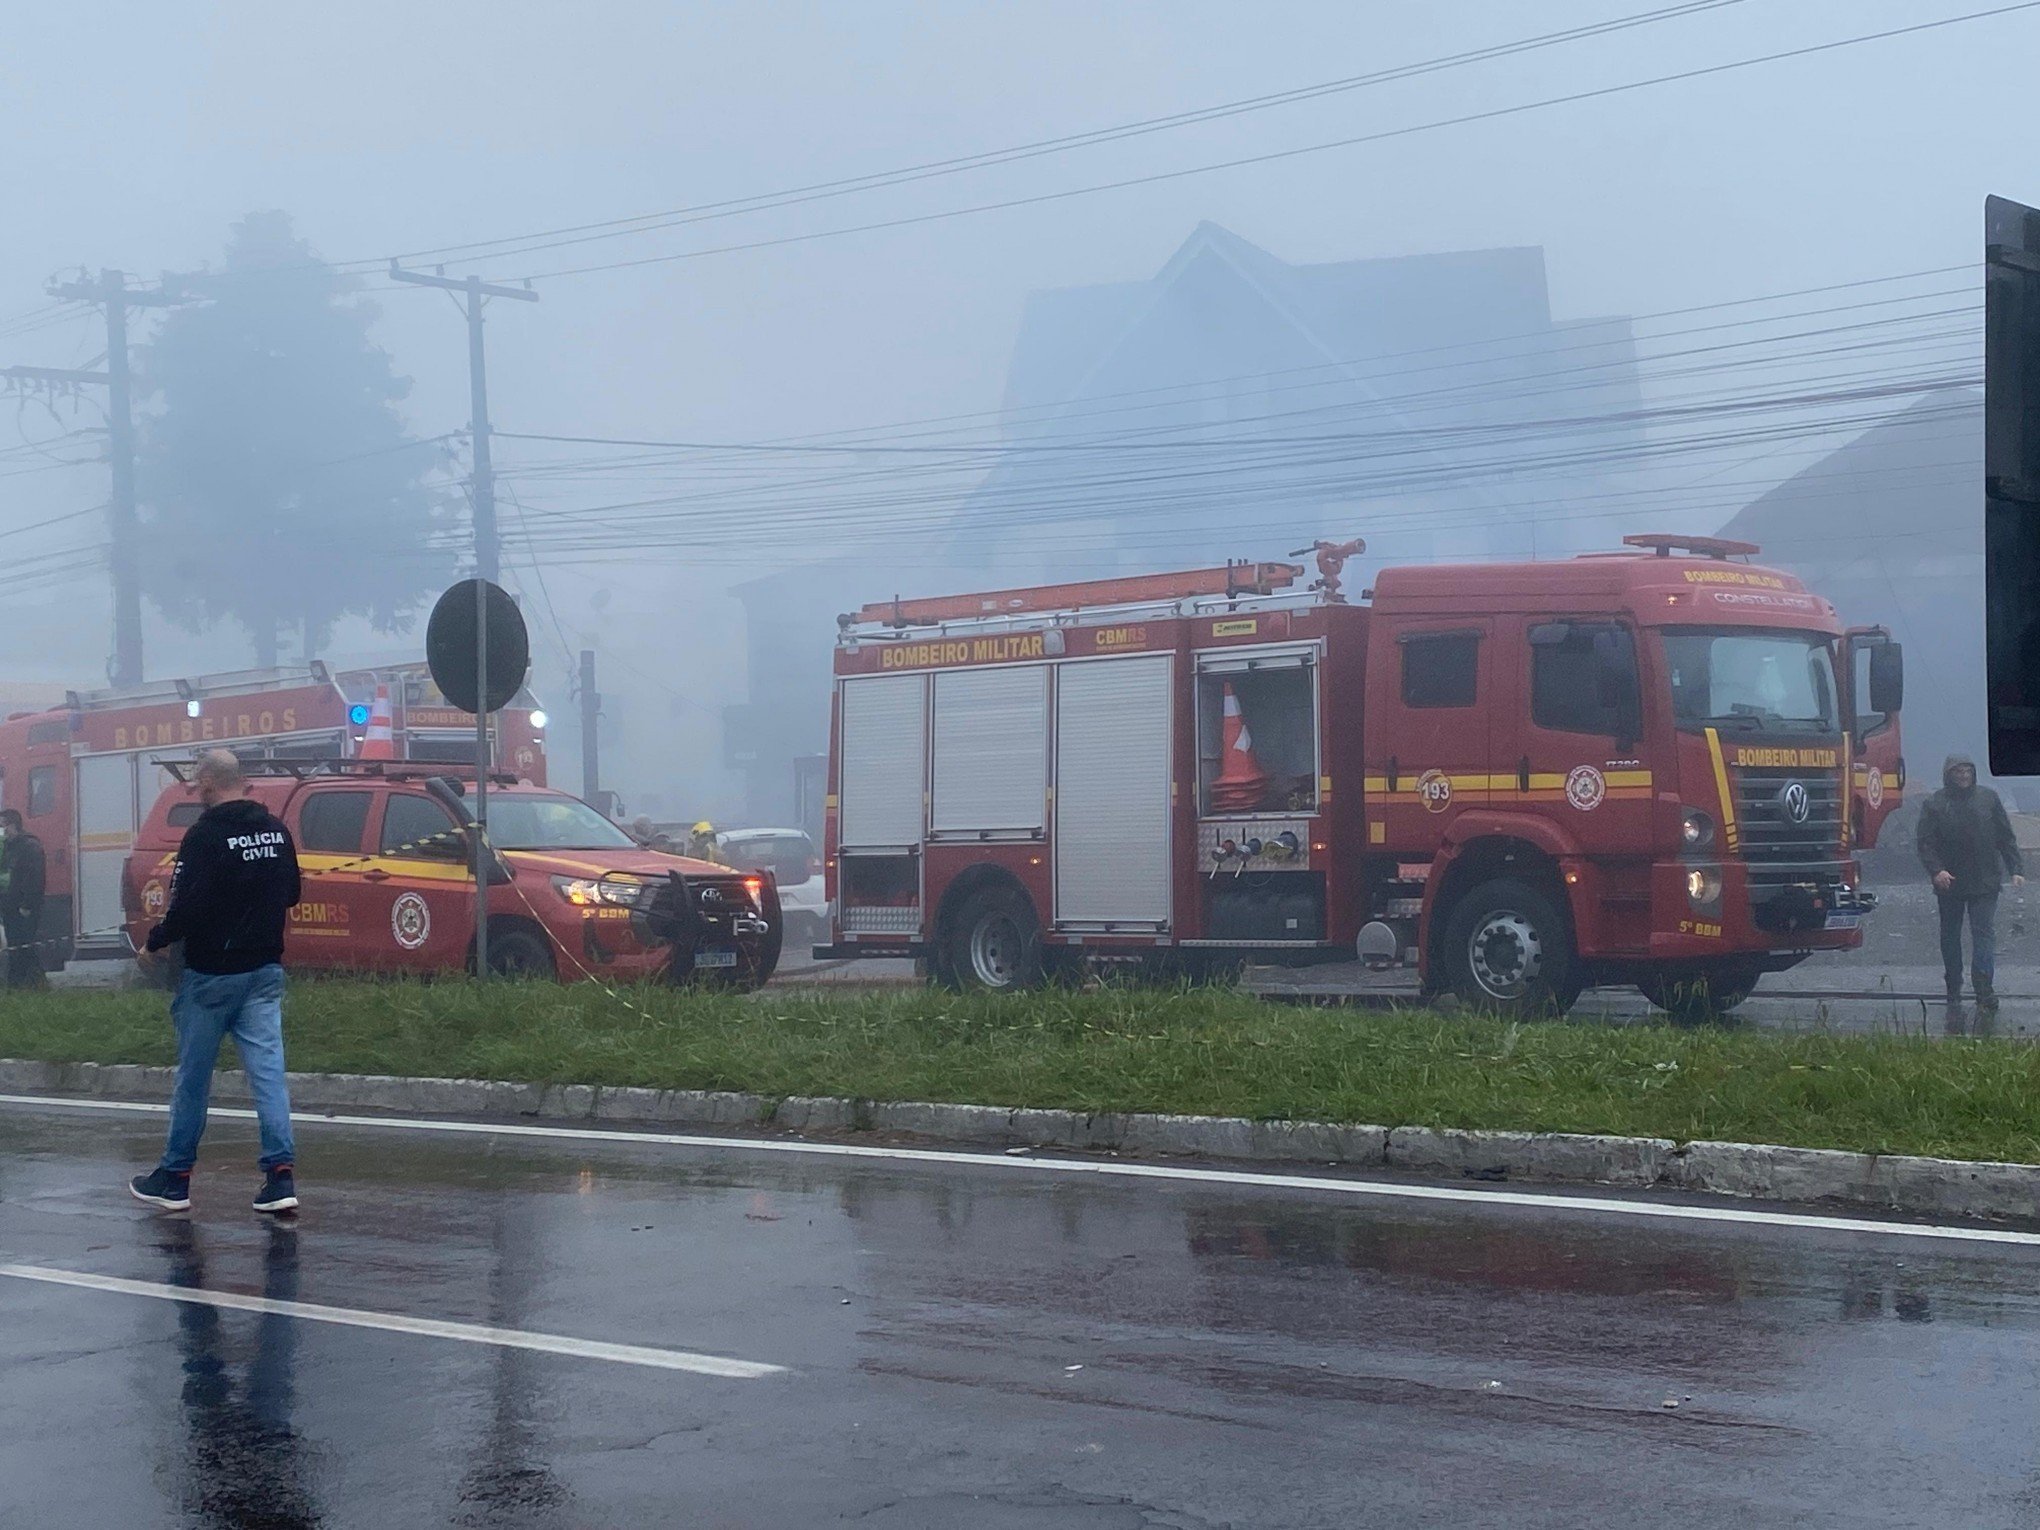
1259, 780
1273, 696
884, 796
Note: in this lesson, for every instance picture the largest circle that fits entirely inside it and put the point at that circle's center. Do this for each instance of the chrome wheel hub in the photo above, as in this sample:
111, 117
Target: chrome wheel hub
995, 951
1505, 955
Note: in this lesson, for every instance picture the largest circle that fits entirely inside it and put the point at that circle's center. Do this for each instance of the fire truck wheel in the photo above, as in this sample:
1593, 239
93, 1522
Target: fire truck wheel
993, 944
519, 954
1695, 998
1508, 951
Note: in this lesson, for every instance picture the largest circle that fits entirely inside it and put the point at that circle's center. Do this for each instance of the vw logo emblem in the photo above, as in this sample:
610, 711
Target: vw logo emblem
1795, 800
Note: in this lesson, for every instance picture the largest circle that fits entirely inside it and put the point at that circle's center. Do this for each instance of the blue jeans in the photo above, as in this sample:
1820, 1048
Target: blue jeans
249, 1007
1982, 914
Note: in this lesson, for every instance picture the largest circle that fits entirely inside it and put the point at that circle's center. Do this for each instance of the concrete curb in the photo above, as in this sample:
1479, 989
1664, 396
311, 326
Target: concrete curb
1931, 1187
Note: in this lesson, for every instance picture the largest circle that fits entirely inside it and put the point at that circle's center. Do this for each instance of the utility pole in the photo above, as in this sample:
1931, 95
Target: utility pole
488, 558
591, 710
112, 293
488, 545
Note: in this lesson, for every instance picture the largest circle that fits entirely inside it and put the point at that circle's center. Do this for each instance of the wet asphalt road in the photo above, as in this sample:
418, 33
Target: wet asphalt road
1250, 1356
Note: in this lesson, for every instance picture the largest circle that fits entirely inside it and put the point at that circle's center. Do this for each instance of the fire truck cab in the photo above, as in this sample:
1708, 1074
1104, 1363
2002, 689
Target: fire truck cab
1520, 779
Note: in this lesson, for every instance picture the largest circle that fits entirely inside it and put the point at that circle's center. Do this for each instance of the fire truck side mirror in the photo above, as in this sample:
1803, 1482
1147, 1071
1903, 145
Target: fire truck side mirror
1887, 678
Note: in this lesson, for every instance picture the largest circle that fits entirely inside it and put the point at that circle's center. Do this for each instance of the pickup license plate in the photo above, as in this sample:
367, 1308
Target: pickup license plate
715, 958
1844, 921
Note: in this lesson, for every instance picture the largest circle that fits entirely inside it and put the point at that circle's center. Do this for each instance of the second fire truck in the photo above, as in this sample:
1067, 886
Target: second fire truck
85, 774
1650, 767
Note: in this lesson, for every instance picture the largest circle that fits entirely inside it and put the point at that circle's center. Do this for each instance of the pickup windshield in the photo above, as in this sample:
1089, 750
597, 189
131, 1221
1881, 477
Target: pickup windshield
520, 822
1751, 679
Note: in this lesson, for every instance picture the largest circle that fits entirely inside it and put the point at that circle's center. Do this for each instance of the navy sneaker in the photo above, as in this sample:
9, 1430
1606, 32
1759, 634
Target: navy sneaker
160, 1187
279, 1190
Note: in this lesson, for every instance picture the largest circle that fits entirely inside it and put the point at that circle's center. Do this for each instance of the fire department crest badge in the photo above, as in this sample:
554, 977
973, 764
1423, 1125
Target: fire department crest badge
1434, 790
1586, 788
1875, 787
410, 921
153, 900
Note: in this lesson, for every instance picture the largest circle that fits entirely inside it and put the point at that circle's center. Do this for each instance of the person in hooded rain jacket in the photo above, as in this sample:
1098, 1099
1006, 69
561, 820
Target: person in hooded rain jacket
1967, 845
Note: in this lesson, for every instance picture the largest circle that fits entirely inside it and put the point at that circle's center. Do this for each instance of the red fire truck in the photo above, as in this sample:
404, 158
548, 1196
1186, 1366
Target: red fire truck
1522, 779
84, 775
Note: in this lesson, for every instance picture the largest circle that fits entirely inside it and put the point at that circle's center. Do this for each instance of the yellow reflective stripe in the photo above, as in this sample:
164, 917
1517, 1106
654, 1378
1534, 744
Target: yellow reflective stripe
397, 866
1728, 828
425, 871
1407, 782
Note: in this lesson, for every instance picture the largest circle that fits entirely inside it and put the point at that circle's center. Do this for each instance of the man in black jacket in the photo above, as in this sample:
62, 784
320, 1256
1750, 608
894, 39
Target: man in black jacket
236, 881
25, 879
1967, 845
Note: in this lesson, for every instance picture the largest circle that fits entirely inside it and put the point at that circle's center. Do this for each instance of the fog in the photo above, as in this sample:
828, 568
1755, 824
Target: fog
140, 135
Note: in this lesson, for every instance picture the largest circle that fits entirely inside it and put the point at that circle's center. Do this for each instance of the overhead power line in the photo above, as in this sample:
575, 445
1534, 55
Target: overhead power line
504, 247
611, 228
1468, 353
1155, 491
1275, 155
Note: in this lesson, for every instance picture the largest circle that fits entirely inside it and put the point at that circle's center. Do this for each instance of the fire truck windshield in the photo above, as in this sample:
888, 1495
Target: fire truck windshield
533, 822
1751, 679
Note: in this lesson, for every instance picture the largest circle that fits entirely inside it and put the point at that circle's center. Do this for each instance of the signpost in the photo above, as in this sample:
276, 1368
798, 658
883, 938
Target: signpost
479, 652
2011, 479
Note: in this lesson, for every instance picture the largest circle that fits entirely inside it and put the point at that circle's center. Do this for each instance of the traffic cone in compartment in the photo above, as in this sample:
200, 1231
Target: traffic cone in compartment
381, 740
1241, 782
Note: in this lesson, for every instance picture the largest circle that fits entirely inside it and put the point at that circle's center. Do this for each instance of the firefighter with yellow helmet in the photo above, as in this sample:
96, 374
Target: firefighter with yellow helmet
701, 843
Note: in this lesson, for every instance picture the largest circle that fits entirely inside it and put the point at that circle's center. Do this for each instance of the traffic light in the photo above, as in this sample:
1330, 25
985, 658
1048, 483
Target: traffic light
2011, 479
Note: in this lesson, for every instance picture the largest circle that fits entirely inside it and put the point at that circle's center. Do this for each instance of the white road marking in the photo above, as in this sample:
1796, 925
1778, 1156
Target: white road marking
393, 1322
1668, 1211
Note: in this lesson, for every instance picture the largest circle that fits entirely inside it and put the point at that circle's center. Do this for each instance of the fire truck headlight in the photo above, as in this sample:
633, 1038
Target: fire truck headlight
1703, 885
1696, 830
538, 722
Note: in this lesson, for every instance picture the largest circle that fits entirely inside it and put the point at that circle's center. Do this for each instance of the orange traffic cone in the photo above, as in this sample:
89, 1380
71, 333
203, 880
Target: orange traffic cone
381, 742
1241, 782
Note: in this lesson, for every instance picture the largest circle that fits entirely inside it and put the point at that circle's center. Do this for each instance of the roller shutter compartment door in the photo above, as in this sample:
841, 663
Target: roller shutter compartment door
1112, 819
106, 835
885, 733
991, 751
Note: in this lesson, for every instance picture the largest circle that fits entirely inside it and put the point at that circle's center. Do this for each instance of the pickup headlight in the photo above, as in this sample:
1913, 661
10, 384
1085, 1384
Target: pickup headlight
1696, 830
587, 892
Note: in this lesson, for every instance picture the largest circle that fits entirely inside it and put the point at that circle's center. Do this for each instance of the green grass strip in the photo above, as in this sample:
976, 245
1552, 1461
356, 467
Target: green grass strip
1203, 1052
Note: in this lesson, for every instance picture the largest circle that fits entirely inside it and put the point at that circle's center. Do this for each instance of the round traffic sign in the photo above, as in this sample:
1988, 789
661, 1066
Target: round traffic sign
451, 651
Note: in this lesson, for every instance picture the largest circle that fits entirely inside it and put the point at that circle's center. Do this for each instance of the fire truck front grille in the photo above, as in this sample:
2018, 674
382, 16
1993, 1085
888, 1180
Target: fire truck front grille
1789, 820
1792, 859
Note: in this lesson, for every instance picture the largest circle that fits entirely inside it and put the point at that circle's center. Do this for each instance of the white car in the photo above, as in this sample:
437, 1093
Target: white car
791, 858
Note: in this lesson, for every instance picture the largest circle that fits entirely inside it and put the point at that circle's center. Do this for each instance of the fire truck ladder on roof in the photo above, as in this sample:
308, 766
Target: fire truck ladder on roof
1232, 582
239, 682
1664, 544
186, 770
